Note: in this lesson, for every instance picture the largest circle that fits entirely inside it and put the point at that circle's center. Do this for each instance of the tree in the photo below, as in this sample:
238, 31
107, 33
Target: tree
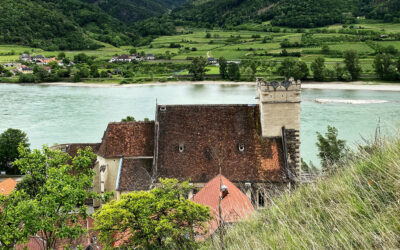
233, 72
158, 219
352, 62
223, 64
379, 66
40, 73
384, 67
94, 71
61, 56
9, 142
198, 68
17, 219
128, 119
301, 71
339, 71
331, 149
292, 68
61, 185
133, 51
83, 58
318, 68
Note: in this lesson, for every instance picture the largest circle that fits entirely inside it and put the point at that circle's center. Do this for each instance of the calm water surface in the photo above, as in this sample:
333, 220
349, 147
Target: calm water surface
55, 114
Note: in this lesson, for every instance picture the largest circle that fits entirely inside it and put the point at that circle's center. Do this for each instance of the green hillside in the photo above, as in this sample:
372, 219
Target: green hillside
291, 13
75, 24
135, 10
357, 208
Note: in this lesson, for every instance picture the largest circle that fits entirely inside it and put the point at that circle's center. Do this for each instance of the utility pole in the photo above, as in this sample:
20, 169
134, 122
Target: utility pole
221, 225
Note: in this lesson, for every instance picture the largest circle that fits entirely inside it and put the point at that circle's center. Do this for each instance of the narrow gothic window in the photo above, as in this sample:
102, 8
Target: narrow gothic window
261, 199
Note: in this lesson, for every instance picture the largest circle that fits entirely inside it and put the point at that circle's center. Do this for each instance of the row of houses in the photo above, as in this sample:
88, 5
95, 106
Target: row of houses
133, 57
38, 59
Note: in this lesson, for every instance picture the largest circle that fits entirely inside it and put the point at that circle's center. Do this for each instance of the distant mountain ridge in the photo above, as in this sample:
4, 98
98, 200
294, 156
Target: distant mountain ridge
291, 13
75, 24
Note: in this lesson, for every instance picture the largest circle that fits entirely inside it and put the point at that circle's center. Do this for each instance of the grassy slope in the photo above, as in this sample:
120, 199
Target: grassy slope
358, 208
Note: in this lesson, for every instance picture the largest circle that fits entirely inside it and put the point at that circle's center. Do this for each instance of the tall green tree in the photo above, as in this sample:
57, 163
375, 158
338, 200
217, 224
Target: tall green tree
385, 67
159, 219
198, 68
62, 186
233, 72
223, 67
352, 62
331, 149
292, 68
318, 68
9, 142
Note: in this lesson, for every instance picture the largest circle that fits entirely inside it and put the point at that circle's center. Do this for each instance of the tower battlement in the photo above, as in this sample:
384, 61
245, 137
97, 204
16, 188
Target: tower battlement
278, 92
279, 106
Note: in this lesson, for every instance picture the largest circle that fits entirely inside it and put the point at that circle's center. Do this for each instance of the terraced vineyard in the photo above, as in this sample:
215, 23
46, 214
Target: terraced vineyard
252, 42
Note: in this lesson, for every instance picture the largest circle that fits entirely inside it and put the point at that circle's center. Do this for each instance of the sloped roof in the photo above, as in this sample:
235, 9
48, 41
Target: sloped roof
235, 206
7, 186
72, 148
128, 139
135, 174
193, 140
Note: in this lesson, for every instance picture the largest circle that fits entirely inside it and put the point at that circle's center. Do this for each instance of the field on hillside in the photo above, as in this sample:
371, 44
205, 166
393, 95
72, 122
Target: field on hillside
254, 42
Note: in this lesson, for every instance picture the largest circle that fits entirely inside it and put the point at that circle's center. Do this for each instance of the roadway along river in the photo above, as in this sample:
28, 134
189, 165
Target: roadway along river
57, 114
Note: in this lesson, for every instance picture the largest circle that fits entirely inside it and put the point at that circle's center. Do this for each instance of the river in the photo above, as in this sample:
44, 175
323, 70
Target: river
58, 114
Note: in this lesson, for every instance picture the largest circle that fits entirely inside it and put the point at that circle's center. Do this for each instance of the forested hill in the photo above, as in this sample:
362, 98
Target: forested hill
135, 10
292, 13
74, 24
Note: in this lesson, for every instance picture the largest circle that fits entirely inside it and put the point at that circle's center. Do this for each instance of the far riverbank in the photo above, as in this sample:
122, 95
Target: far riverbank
359, 85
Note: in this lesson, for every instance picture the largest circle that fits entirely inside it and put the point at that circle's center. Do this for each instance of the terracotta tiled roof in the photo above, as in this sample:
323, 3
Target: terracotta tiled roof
86, 240
7, 186
193, 140
72, 148
135, 174
128, 139
234, 206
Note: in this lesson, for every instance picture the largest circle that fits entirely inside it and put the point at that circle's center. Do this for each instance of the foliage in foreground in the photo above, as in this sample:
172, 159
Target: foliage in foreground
158, 219
357, 208
50, 200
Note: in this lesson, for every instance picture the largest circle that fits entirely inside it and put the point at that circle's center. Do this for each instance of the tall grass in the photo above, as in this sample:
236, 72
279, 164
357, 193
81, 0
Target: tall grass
356, 208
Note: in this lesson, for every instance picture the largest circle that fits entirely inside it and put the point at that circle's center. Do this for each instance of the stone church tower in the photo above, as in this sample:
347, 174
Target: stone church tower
280, 117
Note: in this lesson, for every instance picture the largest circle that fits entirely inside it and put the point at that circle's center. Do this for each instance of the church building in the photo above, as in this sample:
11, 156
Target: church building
255, 146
